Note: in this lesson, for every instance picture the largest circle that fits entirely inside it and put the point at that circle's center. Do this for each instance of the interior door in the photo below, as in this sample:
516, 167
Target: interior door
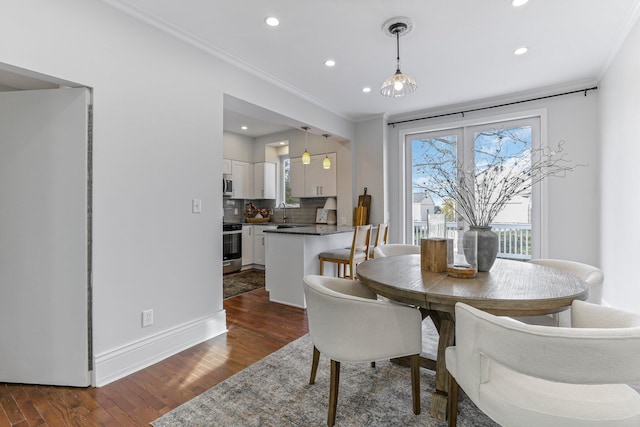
44, 237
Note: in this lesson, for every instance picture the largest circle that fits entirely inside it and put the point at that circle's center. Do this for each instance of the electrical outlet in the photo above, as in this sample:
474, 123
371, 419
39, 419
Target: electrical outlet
147, 318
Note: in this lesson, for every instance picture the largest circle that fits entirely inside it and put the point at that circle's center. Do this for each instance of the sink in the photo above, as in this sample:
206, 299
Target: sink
288, 226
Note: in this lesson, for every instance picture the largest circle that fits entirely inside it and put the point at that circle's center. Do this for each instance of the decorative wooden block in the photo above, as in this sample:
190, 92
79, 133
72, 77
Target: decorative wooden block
433, 255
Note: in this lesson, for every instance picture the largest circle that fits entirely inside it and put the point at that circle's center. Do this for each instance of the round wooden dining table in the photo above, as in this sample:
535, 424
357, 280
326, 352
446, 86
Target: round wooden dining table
510, 288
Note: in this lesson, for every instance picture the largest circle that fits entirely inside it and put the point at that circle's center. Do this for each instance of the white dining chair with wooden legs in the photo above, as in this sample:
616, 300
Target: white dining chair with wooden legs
349, 257
524, 375
348, 324
592, 276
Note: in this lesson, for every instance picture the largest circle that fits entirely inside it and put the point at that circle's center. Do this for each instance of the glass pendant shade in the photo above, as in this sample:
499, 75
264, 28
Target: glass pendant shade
306, 157
398, 85
326, 162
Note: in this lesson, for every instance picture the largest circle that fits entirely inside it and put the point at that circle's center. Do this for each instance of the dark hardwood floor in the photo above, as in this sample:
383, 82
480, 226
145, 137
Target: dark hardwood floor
256, 326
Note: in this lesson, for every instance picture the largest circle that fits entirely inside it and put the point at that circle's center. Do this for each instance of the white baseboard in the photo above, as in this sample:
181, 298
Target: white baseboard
120, 362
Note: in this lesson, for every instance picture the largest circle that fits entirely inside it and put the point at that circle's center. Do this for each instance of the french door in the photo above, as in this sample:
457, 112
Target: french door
432, 156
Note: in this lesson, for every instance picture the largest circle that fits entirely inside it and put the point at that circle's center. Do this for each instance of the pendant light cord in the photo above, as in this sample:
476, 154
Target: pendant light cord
398, 51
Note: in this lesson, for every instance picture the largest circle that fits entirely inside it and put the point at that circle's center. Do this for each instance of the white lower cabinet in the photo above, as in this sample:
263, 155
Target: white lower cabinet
259, 243
247, 245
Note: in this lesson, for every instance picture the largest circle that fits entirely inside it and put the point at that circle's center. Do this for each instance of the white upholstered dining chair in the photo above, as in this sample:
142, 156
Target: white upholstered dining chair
348, 324
592, 276
395, 249
532, 375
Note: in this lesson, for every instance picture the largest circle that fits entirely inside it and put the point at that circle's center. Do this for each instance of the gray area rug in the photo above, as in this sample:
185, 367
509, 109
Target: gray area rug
275, 391
234, 284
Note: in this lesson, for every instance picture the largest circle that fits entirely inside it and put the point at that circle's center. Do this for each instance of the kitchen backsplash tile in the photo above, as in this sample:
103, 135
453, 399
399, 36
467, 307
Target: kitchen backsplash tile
305, 214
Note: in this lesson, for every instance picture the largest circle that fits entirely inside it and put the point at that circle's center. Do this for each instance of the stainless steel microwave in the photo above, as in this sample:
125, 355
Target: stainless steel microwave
227, 185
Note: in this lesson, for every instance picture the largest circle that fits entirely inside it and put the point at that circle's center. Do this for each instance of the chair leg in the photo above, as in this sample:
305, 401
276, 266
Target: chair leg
321, 267
452, 404
333, 392
314, 365
415, 382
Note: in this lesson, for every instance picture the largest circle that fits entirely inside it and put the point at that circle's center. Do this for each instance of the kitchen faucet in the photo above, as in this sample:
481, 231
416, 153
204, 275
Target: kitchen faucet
284, 212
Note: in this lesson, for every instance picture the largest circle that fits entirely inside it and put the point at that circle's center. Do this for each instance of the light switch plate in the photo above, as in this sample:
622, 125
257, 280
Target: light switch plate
196, 205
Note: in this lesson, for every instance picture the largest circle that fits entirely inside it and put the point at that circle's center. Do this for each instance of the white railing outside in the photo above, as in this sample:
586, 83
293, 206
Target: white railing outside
514, 240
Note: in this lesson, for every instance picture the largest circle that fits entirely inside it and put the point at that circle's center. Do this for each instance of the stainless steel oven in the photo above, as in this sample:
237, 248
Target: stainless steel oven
231, 247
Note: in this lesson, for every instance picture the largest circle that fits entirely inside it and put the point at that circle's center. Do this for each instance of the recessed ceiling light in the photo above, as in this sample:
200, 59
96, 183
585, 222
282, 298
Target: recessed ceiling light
517, 3
330, 63
366, 89
282, 143
521, 50
244, 128
272, 21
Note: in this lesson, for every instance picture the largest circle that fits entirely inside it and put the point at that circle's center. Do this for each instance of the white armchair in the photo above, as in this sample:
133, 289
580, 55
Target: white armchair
593, 277
531, 375
395, 249
348, 324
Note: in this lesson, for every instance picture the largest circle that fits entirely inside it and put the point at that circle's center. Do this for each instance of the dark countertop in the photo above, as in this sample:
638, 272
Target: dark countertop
313, 230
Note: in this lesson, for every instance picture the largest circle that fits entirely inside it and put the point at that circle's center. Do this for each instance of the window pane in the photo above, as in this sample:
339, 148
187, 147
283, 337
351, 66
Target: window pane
289, 201
501, 156
433, 162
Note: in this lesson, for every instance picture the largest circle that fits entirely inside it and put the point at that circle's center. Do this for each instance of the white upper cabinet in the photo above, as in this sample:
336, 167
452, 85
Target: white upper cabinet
313, 180
226, 166
264, 180
242, 173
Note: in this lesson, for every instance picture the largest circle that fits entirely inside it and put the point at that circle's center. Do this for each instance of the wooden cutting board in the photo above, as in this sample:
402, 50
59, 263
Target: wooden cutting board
359, 215
364, 201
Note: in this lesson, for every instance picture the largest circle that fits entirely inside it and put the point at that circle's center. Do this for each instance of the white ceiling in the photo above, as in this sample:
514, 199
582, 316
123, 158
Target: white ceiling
458, 50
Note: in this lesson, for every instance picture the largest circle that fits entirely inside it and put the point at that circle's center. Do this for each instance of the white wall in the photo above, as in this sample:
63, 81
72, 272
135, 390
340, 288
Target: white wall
620, 151
238, 147
573, 202
157, 145
370, 165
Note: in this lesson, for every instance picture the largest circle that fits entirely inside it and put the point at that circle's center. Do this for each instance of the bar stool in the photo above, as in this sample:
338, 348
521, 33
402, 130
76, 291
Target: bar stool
357, 253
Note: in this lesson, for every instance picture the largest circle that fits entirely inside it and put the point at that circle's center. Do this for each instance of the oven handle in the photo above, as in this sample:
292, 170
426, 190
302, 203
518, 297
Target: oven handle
232, 232
226, 264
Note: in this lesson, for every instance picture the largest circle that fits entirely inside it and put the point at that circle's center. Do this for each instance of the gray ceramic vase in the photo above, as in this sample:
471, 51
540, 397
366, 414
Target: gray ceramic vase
487, 247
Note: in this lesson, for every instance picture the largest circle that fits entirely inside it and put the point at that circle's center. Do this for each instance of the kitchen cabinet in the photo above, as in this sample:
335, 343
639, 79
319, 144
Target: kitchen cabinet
259, 243
313, 180
247, 245
264, 180
226, 166
242, 173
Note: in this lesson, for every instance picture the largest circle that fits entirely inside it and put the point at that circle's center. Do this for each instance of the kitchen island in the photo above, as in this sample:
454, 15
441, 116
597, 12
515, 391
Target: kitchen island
292, 253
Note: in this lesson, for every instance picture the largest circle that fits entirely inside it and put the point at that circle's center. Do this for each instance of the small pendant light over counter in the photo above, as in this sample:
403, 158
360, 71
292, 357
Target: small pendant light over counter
306, 156
326, 162
398, 84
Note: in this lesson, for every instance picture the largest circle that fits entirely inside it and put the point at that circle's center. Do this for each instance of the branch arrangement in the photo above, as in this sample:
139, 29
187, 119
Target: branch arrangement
480, 191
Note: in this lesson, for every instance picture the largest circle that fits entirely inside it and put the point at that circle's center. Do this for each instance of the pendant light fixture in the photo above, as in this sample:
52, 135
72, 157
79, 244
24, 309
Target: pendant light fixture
326, 162
398, 84
306, 156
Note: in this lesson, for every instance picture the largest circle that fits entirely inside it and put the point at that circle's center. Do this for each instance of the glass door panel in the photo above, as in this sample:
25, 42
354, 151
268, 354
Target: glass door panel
434, 156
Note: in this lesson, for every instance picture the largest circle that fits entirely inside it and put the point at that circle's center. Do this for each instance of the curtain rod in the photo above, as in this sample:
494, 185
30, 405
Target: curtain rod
495, 106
